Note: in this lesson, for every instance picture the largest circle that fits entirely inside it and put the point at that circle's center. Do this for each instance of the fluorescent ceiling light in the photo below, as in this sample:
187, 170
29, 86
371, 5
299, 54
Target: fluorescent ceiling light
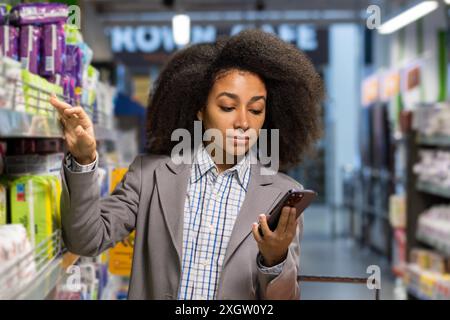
408, 16
181, 29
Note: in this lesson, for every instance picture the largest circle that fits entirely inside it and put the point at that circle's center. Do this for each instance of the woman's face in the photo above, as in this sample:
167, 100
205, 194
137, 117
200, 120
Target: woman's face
236, 107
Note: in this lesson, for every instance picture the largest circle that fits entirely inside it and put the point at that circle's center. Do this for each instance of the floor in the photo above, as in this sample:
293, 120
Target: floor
326, 255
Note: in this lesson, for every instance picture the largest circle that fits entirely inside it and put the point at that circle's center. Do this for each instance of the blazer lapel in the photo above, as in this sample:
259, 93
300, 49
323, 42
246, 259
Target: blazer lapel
260, 198
171, 181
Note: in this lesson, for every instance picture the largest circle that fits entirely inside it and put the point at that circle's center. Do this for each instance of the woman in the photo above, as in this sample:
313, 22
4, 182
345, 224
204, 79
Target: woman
196, 230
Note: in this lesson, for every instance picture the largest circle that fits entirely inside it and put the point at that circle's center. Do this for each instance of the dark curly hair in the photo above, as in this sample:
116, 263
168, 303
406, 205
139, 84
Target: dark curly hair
294, 90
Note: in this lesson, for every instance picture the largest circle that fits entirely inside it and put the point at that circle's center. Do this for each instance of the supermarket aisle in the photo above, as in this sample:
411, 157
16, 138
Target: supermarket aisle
327, 256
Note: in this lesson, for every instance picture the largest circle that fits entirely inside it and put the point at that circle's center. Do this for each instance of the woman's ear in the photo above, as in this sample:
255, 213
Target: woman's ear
200, 114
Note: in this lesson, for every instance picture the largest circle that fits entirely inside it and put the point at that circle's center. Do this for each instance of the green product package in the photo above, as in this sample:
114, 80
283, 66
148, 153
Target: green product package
73, 35
37, 92
31, 198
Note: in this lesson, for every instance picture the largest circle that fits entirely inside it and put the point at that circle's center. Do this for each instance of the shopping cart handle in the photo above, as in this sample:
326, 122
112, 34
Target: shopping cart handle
351, 280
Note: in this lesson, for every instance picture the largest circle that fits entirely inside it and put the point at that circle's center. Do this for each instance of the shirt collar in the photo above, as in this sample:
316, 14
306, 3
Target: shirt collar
204, 163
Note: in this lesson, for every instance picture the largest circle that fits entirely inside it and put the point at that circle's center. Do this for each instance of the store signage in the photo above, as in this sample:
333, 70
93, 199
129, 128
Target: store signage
370, 90
390, 85
158, 39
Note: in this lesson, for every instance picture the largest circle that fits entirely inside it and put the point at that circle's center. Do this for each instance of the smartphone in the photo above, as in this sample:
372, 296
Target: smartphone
299, 199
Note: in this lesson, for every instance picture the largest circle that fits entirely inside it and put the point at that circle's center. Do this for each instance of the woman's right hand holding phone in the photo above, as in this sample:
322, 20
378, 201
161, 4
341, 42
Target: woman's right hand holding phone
78, 131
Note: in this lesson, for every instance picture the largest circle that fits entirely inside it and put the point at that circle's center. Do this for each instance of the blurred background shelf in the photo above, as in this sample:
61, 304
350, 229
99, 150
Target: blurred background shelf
432, 189
434, 243
436, 140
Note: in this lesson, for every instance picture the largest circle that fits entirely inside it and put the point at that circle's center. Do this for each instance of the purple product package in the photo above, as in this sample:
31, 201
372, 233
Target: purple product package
30, 40
53, 49
73, 63
68, 85
3, 13
55, 78
9, 41
39, 13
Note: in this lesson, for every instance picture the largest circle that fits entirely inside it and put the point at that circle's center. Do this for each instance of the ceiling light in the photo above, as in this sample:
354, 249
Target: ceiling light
408, 16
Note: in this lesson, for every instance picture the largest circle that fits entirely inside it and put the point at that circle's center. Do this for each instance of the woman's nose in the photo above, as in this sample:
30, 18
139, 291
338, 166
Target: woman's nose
241, 119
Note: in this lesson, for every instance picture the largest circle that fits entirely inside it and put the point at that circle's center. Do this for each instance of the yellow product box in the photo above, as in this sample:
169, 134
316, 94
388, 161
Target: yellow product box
121, 256
3, 199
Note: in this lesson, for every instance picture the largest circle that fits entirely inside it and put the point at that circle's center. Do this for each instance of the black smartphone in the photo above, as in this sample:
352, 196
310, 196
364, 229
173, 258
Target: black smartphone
299, 199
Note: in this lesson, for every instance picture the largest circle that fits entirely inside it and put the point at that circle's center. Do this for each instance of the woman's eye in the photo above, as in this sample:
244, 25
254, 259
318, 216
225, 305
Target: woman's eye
256, 111
226, 109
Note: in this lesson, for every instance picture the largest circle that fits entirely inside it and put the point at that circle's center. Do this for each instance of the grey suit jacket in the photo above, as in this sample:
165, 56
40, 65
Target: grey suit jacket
151, 199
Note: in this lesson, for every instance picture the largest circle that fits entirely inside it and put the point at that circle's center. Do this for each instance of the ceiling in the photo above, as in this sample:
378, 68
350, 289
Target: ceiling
139, 6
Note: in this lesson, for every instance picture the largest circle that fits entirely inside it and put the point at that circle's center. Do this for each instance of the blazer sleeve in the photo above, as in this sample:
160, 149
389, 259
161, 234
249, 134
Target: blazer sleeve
283, 286
91, 224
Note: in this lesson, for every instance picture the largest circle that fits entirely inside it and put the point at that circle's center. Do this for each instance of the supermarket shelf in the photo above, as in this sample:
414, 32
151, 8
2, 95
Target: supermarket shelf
437, 140
47, 281
49, 266
15, 124
433, 189
438, 245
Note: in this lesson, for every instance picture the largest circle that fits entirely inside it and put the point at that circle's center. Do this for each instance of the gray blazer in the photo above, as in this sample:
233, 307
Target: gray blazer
151, 199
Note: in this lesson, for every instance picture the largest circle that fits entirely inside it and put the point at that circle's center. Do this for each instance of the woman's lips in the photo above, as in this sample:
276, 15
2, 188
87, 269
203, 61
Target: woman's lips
240, 140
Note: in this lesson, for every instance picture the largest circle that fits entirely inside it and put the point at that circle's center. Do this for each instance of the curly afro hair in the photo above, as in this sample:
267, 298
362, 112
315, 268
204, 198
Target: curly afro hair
294, 90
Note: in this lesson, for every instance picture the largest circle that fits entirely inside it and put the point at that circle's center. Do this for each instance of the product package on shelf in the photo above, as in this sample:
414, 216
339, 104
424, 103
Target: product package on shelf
433, 120
433, 227
53, 49
427, 275
31, 206
34, 164
11, 89
9, 41
4, 11
104, 106
399, 252
37, 91
397, 211
72, 35
30, 47
3, 204
17, 266
73, 69
433, 168
39, 13
90, 82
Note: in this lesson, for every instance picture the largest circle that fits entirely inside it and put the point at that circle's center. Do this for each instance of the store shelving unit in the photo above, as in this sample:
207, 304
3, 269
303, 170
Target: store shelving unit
434, 140
46, 268
430, 188
421, 196
42, 123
